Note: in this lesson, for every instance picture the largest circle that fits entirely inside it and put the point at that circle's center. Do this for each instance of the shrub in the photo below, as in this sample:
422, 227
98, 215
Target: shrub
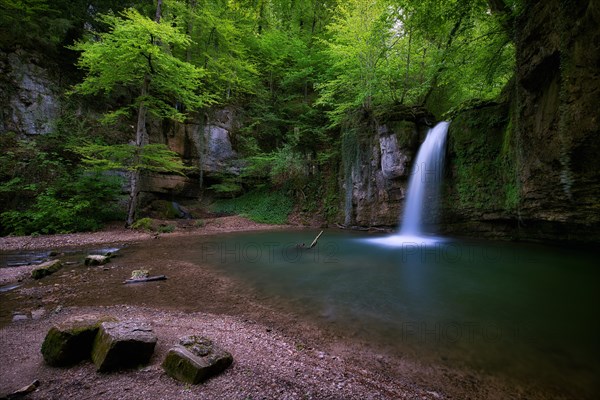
142, 224
166, 228
82, 205
270, 207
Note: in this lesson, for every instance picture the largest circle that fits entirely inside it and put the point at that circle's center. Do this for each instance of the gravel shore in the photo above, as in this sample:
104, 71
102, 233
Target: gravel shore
277, 353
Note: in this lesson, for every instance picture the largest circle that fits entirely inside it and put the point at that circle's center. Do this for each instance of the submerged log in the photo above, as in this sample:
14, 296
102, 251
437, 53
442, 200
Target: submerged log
146, 279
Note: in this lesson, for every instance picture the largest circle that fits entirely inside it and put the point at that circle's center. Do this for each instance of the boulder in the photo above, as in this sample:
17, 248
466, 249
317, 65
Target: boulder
120, 345
96, 259
71, 341
47, 268
195, 359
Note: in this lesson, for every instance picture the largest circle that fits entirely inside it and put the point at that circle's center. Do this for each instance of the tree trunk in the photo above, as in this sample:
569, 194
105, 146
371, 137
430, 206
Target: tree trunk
141, 139
158, 11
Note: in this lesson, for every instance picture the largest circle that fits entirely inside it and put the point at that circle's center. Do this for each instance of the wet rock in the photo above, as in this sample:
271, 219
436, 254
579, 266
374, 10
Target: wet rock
19, 317
120, 345
46, 268
71, 341
195, 359
38, 314
96, 259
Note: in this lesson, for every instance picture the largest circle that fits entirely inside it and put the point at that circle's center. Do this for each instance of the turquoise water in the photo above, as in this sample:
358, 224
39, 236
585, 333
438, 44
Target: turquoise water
523, 311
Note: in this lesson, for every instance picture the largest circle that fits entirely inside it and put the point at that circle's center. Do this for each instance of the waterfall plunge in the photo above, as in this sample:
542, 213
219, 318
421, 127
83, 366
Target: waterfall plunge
423, 191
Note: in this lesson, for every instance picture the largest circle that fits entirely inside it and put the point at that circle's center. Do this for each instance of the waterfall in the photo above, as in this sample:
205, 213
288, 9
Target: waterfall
426, 178
423, 192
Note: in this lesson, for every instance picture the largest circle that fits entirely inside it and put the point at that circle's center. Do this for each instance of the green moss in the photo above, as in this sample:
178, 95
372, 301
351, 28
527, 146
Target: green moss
46, 269
71, 342
484, 161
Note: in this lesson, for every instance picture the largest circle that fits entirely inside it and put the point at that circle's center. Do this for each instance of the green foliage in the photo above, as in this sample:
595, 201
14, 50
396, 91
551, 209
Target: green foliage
271, 207
166, 228
31, 22
227, 188
144, 224
125, 157
81, 205
438, 53
137, 51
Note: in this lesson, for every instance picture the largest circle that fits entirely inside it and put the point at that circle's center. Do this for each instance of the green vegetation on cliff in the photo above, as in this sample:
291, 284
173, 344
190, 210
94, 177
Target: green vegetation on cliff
307, 76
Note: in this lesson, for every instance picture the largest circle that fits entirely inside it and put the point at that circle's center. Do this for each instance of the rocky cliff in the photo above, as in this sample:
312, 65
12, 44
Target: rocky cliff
29, 94
524, 167
205, 143
557, 98
377, 156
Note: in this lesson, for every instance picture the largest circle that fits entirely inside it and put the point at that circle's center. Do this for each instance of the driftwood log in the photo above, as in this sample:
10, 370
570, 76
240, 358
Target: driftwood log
146, 279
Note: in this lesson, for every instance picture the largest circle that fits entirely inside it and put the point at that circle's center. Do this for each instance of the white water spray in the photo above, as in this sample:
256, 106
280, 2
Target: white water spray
425, 181
423, 191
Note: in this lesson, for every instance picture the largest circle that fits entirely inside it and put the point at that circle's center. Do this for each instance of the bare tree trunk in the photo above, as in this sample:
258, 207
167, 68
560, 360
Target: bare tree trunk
141, 139
158, 11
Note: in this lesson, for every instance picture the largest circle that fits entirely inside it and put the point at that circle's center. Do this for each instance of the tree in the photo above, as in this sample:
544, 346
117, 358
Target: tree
136, 53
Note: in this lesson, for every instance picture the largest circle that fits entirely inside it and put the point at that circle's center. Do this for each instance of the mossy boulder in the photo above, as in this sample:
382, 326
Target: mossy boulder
45, 269
70, 342
195, 359
121, 345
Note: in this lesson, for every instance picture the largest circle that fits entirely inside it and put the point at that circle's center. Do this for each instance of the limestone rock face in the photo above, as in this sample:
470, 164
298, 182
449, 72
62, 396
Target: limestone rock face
376, 177
205, 142
120, 345
32, 104
195, 359
71, 341
45, 269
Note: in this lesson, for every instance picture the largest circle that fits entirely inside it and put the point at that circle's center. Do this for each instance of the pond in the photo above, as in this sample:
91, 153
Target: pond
523, 311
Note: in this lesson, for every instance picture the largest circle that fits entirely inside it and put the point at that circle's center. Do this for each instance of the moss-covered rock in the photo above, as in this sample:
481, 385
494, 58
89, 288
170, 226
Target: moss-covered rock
71, 341
45, 269
120, 345
195, 359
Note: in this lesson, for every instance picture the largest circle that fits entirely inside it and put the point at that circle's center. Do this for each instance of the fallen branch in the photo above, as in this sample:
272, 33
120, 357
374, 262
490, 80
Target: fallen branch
314, 243
146, 279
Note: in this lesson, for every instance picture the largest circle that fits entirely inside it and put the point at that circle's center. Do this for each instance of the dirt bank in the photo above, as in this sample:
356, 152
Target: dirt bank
116, 233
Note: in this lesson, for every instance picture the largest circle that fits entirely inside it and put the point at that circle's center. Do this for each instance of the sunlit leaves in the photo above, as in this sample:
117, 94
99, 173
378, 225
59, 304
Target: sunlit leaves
125, 157
136, 48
